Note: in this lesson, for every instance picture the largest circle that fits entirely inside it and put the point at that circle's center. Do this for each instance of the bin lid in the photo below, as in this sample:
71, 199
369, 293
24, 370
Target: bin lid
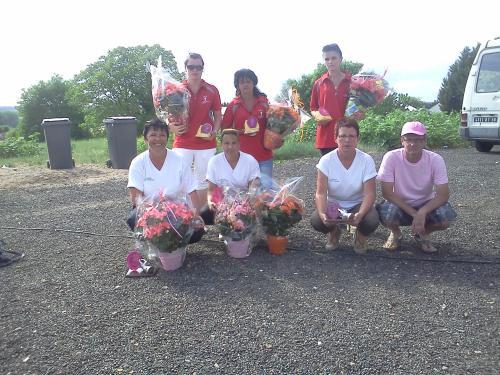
110, 120
55, 121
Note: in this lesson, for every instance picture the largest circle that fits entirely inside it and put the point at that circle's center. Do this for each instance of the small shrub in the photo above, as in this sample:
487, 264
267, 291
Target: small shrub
307, 133
384, 131
141, 145
12, 147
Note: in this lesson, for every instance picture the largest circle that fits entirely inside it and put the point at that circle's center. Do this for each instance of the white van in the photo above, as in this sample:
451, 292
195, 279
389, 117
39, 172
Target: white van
481, 105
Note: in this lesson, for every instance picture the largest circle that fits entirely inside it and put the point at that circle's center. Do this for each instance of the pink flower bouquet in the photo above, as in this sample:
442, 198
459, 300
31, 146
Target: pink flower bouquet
165, 223
170, 98
367, 90
235, 215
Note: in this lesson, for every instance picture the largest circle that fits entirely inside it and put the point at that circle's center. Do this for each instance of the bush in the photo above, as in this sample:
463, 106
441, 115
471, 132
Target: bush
384, 131
305, 134
12, 147
141, 145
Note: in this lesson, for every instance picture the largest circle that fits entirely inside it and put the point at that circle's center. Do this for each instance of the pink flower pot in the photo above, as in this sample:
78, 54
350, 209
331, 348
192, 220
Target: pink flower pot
238, 249
174, 260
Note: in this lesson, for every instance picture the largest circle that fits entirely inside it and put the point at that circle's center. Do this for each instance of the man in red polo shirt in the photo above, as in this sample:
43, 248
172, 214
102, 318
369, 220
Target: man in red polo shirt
329, 96
196, 139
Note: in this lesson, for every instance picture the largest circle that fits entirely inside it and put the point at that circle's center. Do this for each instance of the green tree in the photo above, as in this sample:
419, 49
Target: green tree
452, 89
395, 101
48, 100
304, 84
9, 118
119, 84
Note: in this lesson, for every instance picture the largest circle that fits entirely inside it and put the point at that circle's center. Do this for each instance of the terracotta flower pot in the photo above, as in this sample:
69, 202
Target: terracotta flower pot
277, 244
174, 260
238, 249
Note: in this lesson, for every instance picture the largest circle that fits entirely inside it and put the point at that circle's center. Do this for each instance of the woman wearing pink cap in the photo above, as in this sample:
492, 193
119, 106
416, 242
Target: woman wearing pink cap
415, 188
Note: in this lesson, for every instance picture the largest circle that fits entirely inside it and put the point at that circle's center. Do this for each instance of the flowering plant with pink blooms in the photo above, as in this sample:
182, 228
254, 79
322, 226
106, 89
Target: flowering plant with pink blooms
165, 223
235, 215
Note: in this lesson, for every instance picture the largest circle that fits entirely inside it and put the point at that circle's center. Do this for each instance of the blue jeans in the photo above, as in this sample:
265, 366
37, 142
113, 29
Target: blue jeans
266, 173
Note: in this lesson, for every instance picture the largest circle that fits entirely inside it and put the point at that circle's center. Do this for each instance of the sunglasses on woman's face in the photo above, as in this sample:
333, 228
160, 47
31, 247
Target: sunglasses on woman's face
195, 67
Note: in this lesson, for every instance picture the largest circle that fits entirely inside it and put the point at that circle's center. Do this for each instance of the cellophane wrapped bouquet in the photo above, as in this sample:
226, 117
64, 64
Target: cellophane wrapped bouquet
282, 119
235, 215
170, 97
165, 223
280, 209
367, 90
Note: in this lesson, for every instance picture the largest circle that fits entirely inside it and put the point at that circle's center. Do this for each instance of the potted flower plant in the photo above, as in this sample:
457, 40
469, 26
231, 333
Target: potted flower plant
166, 224
235, 218
278, 214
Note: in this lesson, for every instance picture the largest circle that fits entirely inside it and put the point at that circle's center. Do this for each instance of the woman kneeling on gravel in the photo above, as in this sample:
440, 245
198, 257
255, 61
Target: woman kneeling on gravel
346, 179
160, 169
231, 168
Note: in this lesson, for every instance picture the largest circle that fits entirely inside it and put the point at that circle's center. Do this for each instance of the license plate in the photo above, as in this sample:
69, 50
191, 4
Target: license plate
486, 119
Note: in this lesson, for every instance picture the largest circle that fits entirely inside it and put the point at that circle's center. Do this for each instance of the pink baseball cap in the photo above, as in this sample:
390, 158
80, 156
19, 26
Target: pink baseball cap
413, 127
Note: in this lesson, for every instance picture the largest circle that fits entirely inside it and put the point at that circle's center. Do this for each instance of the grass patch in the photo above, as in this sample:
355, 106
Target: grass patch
95, 151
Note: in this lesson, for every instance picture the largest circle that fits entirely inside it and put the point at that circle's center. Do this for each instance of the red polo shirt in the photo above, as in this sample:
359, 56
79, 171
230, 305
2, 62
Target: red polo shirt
235, 116
334, 100
201, 104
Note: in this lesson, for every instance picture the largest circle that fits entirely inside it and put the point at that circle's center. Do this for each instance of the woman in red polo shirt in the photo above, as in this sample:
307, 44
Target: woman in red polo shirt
330, 93
195, 140
247, 113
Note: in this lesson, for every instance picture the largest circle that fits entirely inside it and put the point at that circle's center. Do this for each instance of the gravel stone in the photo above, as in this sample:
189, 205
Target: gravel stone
67, 308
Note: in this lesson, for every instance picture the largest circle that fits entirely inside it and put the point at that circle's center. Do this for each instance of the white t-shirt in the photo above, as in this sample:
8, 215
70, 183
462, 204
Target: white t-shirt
346, 185
220, 173
175, 177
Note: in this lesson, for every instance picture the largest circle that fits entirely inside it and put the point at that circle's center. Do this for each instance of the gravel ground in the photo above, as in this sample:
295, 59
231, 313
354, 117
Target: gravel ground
66, 308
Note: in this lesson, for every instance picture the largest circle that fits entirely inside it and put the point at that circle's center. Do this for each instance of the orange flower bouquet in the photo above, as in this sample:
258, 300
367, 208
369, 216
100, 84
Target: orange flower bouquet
280, 211
282, 119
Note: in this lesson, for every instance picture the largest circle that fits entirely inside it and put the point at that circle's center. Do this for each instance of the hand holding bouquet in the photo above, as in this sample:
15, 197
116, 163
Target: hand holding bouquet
321, 116
279, 211
165, 223
282, 119
367, 90
170, 98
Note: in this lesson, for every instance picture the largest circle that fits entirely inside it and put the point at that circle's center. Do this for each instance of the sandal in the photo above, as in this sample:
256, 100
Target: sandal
360, 245
393, 241
425, 244
333, 239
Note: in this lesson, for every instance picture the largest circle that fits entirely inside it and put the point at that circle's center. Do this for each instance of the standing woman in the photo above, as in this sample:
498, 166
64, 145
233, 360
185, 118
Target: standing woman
247, 114
346, 176
204, 111
330, 93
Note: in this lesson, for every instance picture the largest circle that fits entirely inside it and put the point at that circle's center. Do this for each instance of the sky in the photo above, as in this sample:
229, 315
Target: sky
416, 41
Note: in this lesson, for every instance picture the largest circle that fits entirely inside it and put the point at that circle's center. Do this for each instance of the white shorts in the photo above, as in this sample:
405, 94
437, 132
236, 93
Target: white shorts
199, 160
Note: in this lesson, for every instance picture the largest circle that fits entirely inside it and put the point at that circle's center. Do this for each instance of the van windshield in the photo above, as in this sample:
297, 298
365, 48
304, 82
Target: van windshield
488, 79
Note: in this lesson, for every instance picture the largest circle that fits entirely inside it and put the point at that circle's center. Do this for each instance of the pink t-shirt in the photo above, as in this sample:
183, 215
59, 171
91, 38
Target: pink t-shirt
414, 182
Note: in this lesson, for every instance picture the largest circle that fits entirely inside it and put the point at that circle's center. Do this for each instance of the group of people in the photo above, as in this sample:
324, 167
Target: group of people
413, 180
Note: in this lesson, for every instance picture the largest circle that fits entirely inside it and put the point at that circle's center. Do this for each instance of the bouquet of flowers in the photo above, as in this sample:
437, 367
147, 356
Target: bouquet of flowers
367, 90
279, 211
282, 119
165, 223
235, 215
170, 98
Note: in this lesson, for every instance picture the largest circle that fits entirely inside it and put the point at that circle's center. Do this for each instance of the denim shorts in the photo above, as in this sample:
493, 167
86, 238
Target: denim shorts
389, 212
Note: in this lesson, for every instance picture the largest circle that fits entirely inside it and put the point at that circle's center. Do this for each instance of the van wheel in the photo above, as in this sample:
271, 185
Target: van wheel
483, 146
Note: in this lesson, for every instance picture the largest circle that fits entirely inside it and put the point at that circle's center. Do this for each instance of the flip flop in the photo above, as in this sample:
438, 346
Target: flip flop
393, 242
142, 272
425, 244
360, 247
